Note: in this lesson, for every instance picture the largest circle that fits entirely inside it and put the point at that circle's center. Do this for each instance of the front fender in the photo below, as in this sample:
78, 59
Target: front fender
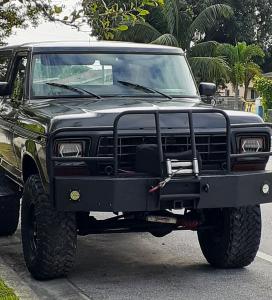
33, 161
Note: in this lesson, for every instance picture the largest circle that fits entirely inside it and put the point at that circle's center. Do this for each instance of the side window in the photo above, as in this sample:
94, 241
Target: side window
4, 64
19, 79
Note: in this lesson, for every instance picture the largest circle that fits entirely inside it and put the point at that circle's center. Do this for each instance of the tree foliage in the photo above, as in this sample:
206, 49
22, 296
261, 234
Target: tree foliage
20, 13
106, 18
250, 23
242, 60
264, 87
10, 17
175, 24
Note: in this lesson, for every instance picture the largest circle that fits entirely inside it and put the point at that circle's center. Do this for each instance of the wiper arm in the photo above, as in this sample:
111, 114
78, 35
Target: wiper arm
143, 88
74, 89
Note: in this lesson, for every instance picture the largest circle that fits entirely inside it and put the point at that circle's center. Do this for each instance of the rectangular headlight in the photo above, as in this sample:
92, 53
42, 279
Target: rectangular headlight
252, 144
70, 149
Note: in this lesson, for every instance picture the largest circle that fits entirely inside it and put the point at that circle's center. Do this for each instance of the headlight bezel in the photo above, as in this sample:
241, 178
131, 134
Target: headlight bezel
68, 150
242, 137
80, 144
252, 144
250, 163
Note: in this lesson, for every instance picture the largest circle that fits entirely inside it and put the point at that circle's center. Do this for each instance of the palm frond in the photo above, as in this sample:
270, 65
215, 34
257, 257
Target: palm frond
251, 70
253, 51
237, 75
141, 32
157, 18
166, 39
241, 52
209, 18
171, 15
209, 68
204, 49
229, 52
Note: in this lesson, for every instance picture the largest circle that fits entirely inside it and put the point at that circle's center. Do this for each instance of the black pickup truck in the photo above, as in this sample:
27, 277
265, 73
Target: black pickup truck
120, 128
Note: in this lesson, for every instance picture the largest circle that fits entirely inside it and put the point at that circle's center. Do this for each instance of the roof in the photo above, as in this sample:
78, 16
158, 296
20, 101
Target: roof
269, 74
100, 46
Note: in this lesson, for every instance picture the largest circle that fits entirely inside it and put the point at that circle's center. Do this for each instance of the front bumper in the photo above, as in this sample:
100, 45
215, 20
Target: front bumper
130, 194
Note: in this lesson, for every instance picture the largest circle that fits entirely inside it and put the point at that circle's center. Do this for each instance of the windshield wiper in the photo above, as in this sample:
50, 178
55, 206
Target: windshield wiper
74, 89
143, 88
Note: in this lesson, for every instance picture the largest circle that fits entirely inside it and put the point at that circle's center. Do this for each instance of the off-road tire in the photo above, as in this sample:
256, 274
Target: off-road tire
9, 207
234, 237
49, 237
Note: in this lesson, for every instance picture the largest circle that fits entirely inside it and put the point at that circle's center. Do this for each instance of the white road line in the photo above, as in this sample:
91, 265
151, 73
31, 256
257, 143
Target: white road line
264, 256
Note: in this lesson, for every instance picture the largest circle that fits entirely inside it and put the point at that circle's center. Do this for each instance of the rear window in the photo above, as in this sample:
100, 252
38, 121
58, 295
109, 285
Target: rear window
4, 65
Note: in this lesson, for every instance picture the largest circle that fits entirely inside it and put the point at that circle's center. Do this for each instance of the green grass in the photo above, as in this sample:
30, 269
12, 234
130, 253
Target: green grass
6, 293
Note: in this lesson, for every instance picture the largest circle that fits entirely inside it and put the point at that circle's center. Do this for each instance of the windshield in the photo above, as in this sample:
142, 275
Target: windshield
109, 75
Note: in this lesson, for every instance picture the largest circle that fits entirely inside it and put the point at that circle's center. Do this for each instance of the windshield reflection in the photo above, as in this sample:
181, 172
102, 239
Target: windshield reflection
102, 75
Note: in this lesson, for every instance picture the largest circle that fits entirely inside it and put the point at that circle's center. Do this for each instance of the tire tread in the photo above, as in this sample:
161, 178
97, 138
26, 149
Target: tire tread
240, 242
57, 232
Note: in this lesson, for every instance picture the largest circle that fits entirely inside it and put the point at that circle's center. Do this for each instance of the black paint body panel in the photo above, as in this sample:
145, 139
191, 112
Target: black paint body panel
26, 127
132, 194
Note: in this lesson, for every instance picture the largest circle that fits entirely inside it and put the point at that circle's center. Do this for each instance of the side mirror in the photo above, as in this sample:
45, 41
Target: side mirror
4, 88
207, 89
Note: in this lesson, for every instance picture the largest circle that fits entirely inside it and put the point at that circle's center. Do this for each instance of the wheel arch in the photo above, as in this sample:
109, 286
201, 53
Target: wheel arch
30, 166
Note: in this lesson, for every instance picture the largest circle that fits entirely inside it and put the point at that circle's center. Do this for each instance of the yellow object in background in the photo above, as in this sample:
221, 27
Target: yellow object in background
250, 106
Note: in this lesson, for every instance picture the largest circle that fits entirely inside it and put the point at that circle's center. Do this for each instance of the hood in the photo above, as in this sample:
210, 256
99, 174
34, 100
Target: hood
88, 112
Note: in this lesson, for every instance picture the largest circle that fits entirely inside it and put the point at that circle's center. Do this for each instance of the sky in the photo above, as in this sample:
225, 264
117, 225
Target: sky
49, 31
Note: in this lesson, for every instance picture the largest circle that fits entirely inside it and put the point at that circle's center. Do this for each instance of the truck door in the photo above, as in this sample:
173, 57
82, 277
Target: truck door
9, 112
7, 157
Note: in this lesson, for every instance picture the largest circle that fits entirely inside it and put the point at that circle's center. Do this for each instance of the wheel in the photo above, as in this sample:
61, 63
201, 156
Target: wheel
233, 238
49, 237
9, 207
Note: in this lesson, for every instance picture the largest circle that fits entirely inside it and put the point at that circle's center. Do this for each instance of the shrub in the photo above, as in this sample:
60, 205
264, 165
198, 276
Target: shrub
264, 87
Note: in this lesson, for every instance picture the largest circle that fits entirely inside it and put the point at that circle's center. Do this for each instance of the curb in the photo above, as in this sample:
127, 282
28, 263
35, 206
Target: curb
12, 280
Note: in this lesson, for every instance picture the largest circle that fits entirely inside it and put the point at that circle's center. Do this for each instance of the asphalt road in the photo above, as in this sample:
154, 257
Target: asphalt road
140, 266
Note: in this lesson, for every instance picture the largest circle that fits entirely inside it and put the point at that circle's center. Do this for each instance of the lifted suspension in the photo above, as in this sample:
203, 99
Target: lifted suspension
158, 223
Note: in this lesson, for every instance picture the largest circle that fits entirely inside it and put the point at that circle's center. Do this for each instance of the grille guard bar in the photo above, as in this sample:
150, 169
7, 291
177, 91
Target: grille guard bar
156, 114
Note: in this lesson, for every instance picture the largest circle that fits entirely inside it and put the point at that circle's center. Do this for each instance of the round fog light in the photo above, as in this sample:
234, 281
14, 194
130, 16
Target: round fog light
265, 189
75, 195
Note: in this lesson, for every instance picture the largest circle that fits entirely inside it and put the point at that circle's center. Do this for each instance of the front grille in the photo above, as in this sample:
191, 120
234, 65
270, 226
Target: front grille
212, 149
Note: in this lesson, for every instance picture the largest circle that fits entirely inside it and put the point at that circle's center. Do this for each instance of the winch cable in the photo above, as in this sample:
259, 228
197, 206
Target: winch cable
163, 183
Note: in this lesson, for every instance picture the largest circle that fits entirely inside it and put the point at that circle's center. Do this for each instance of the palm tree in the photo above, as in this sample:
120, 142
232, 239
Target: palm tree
173, 25
242, 61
